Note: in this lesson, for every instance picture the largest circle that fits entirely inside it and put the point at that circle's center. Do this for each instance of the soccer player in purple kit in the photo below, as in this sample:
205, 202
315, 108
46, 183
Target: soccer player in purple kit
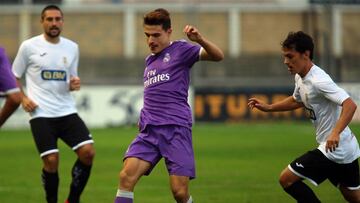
165, 120
8, 88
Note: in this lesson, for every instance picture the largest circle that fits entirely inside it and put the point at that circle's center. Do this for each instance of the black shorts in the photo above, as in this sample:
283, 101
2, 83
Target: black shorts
71, 129
315, 167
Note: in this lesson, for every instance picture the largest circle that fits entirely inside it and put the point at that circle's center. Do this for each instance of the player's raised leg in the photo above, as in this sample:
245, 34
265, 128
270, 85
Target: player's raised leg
180, 188
351, 195
294, 186
349, 182
133, 169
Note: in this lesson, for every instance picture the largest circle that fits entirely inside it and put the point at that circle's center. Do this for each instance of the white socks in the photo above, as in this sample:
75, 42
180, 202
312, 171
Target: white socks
130, 195
123, 193
190, 200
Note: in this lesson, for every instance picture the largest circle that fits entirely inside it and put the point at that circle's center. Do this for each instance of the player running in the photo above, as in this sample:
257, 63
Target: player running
330, 109
165, 120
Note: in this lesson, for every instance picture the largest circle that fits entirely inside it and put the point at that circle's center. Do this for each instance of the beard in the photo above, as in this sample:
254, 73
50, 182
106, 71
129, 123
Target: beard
53, 32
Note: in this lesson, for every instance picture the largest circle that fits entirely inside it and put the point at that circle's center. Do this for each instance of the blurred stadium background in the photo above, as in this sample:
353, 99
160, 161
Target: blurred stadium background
112, 49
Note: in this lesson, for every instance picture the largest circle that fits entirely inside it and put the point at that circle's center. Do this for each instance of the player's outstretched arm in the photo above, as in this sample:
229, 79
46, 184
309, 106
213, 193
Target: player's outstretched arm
210, 52
287, 104
258, 104
12, 102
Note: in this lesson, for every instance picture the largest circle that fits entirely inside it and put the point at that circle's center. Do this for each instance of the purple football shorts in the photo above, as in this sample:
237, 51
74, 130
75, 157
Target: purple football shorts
173, 142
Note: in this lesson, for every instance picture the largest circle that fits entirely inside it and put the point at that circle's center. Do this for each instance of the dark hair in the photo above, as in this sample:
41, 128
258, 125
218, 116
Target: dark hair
300, 42
50, 7
159, 16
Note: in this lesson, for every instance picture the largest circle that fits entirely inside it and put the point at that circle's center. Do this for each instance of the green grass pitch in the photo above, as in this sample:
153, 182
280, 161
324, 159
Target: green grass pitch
236, 163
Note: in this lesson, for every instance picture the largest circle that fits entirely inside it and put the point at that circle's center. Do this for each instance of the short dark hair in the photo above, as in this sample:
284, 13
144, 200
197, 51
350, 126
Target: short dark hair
50, 7
159, 16
300, 42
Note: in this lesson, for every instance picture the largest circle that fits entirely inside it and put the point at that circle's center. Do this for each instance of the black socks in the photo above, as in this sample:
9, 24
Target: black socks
80, 175
302, 193
51, 183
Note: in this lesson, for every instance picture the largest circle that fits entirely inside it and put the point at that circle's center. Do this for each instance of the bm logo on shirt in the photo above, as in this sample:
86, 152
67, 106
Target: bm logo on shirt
53, 75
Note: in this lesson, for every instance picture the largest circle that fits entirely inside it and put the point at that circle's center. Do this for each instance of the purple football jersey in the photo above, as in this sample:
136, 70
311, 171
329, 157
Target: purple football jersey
166, 85
7, 79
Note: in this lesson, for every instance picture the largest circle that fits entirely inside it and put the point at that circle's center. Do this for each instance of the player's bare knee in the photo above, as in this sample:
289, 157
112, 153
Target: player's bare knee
286, 178
86, 155
90, 154
180, 193
357, 199
181, 196
124, 176
51, 162
354, 198
127, 181
284, 181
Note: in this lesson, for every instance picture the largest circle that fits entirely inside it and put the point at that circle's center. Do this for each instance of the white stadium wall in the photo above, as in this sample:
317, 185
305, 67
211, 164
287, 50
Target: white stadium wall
99, 107
107, 106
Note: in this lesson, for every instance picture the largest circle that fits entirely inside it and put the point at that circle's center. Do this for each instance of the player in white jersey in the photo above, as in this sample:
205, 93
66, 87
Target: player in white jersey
330, 109
49, 63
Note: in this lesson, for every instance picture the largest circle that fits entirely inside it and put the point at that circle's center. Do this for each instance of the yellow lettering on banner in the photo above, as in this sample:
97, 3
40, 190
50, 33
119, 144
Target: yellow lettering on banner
284, 114
215, 102
236, 106
199, 106
59, 75
255, 113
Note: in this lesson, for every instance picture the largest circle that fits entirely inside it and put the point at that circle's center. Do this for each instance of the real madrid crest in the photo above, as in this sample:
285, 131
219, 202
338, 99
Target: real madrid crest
166, 58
